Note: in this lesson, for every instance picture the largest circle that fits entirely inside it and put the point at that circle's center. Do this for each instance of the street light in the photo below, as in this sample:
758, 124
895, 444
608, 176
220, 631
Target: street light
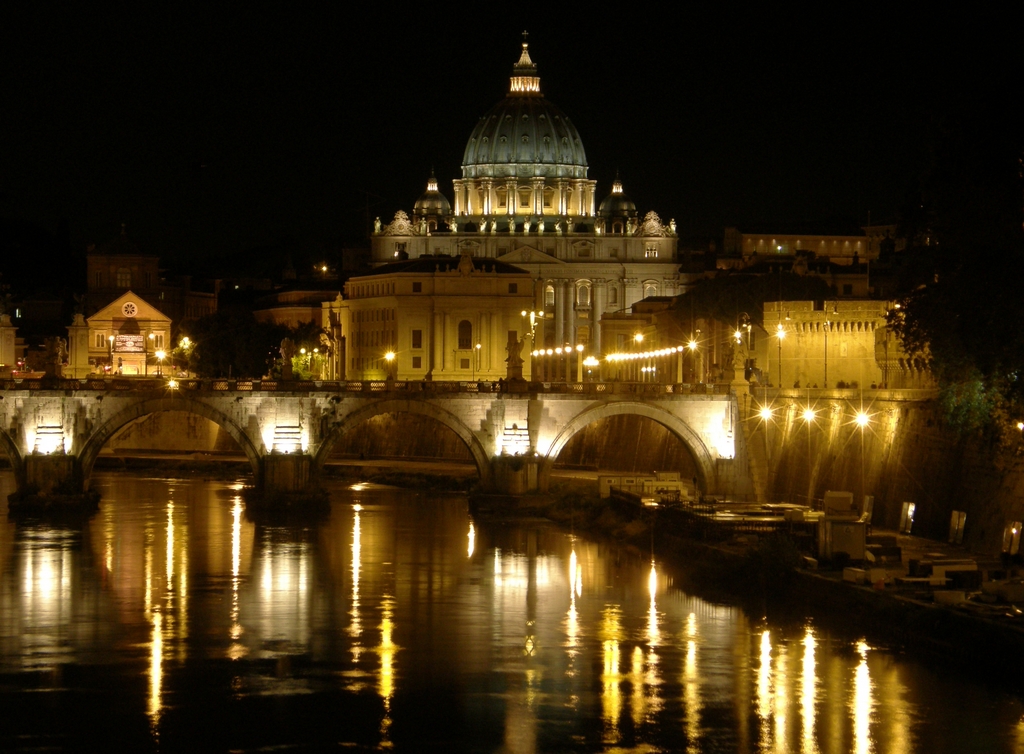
579, 362
389, 357
781, 333
476, 361
160, 363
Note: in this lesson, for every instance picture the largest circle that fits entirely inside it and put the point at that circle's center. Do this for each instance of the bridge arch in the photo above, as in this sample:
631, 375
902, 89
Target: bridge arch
701, 455
422, 408
98, 438
8, 446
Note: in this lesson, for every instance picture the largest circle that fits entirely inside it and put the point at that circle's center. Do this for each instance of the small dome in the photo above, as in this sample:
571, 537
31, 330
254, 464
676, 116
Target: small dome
432, 202
617, 204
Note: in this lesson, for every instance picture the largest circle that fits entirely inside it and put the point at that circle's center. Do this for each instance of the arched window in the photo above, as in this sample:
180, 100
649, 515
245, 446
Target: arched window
549, 295
583, 295
465, 334
650, 289
613, 294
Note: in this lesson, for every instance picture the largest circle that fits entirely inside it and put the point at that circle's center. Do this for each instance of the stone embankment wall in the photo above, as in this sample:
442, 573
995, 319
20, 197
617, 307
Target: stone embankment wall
904, 454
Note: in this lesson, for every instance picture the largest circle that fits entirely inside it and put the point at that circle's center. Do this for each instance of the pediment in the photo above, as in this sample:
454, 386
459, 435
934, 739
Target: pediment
138, 306
529, 255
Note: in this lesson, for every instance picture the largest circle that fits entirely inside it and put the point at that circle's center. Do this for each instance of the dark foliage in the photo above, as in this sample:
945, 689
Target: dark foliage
232, 343
727, 296
959, 300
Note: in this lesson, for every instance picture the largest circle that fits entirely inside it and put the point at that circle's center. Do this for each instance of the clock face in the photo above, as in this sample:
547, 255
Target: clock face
129, 309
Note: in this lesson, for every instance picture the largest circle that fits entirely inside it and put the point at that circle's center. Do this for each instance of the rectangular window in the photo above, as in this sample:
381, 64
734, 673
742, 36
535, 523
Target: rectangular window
463, 363
847, 289
417, 362
99, 279
417, 287
513, 287
417, 339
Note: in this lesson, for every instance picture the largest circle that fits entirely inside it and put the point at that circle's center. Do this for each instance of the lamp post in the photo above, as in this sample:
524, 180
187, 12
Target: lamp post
110, 352
638, 341
476, 360
152, 342
862, 420
781, 333
389, 359
160, 363
579, 362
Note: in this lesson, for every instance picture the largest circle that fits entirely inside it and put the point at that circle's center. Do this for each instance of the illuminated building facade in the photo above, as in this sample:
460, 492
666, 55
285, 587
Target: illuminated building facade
525, 198
124, 337
440, 318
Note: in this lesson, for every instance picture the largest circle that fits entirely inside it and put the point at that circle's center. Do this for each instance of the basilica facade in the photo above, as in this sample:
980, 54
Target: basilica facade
525, 199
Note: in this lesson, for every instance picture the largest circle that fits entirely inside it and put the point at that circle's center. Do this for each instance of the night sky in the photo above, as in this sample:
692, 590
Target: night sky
214, 131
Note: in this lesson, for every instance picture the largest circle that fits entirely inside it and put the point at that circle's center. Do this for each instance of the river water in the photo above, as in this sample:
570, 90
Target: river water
170, 622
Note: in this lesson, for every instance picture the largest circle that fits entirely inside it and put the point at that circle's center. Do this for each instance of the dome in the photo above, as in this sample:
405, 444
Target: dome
524, 135
617, 204
432, 202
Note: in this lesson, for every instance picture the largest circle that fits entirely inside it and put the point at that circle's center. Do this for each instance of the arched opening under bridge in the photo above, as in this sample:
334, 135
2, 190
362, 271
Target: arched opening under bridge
423, 437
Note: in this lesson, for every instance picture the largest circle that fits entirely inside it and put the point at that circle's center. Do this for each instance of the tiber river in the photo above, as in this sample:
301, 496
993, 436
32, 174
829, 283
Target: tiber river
170, 622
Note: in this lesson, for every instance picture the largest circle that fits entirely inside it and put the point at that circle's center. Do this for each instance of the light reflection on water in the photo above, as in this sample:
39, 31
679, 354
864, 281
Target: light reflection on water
428, 629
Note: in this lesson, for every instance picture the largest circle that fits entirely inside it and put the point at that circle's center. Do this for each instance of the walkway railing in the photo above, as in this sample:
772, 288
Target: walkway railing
187, 385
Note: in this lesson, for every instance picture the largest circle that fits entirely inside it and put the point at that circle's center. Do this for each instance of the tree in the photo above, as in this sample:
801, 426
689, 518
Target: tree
232, 343
959, 298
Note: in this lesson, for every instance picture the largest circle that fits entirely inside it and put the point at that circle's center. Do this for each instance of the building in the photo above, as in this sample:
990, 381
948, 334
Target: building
834, 344
128, 336
525, 198
429, 318
116, 266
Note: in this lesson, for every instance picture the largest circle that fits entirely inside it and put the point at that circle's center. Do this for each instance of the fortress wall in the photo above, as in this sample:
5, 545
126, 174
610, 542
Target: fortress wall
908, 456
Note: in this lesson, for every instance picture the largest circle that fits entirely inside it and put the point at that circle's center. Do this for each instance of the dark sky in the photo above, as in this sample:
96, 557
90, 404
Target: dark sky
210, 131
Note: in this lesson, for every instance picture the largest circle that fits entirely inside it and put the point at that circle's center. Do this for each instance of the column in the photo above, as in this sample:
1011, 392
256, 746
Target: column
599, 292
460, 202
559, 311
569, 328
538, 196
487, 189
512, 196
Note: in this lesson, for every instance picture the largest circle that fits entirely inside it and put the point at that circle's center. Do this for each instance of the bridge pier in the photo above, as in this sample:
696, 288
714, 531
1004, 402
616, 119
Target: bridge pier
52, 474
515, 475
287, 473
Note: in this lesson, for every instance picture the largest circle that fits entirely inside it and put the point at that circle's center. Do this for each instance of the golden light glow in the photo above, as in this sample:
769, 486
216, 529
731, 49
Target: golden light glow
355, 627
862, 419
692, 345
389, 356
862, 703
611, 692
472, 540
809, 414
765, 413
807, 693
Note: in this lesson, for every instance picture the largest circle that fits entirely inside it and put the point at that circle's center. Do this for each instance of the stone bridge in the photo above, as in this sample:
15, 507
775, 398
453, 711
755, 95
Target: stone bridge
53, 430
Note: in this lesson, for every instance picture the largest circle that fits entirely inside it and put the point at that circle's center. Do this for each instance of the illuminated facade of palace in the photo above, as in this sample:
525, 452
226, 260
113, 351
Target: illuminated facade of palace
525, 199
433, 318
